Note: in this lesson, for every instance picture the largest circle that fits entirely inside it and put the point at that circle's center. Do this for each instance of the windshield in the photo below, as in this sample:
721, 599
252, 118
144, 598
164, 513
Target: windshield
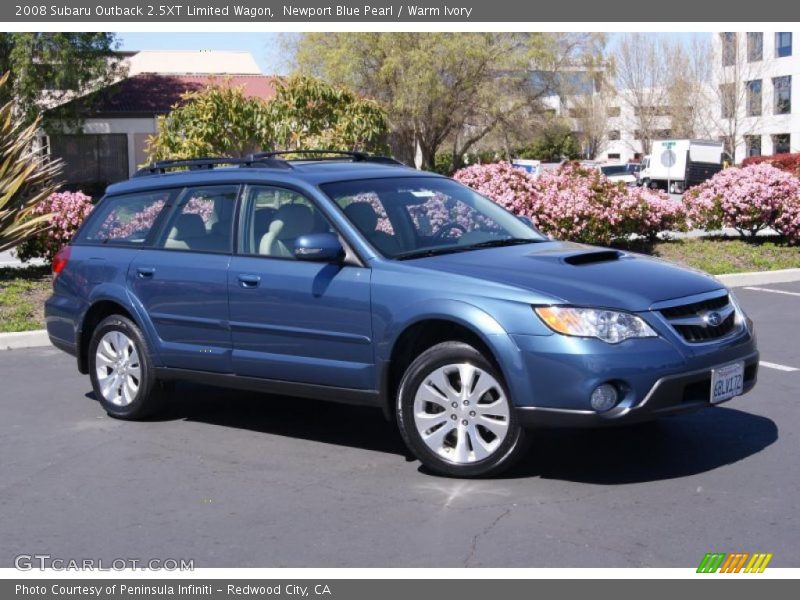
614, 170
410, 217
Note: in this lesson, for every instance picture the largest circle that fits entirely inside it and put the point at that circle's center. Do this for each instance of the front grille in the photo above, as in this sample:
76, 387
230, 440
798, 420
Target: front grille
687, 310
692, 321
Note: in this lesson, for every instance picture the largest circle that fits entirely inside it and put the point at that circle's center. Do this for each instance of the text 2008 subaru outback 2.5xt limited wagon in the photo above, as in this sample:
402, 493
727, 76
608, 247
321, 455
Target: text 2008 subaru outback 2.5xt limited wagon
350, 278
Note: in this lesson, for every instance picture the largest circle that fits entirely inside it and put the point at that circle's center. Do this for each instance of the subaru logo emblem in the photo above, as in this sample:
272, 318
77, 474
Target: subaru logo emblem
714, 318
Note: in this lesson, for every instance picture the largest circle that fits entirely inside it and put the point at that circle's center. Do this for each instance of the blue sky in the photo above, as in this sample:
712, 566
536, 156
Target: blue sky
265, 47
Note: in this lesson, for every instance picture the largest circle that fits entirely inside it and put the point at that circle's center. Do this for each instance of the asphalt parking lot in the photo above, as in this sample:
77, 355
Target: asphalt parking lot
236, 479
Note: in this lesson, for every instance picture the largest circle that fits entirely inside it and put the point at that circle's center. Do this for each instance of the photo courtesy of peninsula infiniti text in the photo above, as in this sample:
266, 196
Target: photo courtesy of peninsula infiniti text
349, 277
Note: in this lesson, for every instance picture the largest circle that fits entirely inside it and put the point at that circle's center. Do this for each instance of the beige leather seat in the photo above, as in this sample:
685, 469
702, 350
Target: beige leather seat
364, 217
188, 233
290, 222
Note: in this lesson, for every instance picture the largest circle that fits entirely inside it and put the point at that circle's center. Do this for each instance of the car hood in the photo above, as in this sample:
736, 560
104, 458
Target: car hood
578, 274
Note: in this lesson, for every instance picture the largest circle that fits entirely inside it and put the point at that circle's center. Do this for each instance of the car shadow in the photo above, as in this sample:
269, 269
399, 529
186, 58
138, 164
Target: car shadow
328, 422
669, 448
666, 449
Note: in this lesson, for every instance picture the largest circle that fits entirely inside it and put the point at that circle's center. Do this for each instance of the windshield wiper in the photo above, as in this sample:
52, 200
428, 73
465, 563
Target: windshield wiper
503, 242
429, 252
453, 249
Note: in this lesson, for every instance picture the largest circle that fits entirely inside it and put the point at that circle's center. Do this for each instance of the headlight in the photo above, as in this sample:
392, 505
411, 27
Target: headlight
741, 316
607, 325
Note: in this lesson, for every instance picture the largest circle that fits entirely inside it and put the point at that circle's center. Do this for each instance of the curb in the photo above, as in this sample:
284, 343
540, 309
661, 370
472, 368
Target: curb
39, 338
760, 277
24, 339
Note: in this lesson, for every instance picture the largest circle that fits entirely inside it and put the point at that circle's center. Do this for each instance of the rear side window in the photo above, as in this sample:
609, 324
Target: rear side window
125, 219
203, 221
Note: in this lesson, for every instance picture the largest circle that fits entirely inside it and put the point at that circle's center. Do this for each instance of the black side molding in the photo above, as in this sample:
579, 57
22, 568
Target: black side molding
274, 386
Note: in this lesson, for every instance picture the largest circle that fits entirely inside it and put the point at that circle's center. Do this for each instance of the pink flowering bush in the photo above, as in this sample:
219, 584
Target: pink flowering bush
577, 204
747, 199
67, 211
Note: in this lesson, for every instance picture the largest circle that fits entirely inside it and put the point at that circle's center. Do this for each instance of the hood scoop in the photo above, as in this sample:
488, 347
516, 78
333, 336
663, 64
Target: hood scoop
590, 258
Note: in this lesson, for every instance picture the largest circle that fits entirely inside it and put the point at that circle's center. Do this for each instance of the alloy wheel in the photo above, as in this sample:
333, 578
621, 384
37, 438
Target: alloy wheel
118, 368
461, 413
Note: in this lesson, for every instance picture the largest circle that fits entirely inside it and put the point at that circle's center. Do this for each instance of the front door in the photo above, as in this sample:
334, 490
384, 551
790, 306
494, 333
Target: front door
292, 320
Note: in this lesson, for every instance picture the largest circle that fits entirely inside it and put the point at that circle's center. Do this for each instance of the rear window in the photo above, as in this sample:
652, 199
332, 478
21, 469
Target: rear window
124, 219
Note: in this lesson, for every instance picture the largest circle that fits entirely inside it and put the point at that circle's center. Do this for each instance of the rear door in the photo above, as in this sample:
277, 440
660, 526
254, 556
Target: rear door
182, 280
291, 320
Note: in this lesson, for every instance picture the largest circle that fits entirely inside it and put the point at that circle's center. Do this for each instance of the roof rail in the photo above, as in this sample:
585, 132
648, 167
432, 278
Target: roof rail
162, 166
259, 159
354, 156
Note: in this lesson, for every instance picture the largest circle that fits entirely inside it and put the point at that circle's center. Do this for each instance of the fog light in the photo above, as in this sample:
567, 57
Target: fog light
604, 397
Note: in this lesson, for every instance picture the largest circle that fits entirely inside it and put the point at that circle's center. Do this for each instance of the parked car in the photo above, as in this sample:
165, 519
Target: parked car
615, 172
677, 165
355, 279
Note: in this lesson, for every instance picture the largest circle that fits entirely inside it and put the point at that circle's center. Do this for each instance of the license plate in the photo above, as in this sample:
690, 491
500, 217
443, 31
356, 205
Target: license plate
727, 382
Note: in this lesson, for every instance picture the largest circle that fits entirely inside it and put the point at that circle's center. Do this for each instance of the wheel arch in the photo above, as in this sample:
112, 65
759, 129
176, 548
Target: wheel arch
468, 324
102, 306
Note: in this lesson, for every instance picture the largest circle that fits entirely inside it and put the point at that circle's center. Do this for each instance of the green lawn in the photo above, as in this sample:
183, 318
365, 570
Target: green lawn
728, 255
22, 295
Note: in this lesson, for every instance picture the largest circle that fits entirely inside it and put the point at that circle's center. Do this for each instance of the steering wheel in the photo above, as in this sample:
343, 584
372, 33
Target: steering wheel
447, 227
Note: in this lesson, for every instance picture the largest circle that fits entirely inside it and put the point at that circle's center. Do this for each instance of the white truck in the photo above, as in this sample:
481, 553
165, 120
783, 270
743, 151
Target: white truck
676, 165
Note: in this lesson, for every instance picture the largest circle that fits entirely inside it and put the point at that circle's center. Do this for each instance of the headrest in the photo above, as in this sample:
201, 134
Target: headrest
362, 215
188, 225
291, 221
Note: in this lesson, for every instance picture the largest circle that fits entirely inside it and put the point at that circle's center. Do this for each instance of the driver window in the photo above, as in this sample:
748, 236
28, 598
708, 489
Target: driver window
275, 218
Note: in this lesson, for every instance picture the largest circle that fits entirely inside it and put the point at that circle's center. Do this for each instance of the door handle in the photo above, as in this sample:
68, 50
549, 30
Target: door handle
145, 272
249, 281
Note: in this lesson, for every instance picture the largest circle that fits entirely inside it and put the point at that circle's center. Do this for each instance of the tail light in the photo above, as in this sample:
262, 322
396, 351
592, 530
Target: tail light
60, 260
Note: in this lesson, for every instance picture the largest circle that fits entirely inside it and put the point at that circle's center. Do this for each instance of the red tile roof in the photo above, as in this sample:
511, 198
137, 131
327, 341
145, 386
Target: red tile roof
151, 94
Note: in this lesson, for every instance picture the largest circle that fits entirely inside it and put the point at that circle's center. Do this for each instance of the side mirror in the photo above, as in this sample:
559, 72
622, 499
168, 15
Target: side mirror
527, 221
320, 247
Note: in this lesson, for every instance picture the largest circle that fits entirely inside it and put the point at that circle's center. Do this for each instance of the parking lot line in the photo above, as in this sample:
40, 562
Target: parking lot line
776, 366
760, 289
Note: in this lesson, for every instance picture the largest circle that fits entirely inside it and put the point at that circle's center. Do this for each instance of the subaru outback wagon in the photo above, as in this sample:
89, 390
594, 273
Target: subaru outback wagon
348, 277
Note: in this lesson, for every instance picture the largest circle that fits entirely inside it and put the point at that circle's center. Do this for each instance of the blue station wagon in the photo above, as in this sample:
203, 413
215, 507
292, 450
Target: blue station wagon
352, 278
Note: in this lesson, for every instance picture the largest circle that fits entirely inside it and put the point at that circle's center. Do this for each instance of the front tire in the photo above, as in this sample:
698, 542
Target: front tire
455, 414
121, 371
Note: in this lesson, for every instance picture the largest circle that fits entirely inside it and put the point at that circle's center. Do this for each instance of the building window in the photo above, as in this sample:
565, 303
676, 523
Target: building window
753, 145
613, 111
728, 40
652, 111
613, 156
754, 98
755, 46
780, 143
783, 94
783, 44
613, 134
727, 96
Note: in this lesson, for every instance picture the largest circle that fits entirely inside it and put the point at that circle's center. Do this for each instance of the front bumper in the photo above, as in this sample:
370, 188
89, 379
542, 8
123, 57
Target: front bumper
669, 395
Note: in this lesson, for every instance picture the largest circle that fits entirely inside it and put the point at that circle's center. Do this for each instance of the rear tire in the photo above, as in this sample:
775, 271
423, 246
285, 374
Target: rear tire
121, 370
455, 414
